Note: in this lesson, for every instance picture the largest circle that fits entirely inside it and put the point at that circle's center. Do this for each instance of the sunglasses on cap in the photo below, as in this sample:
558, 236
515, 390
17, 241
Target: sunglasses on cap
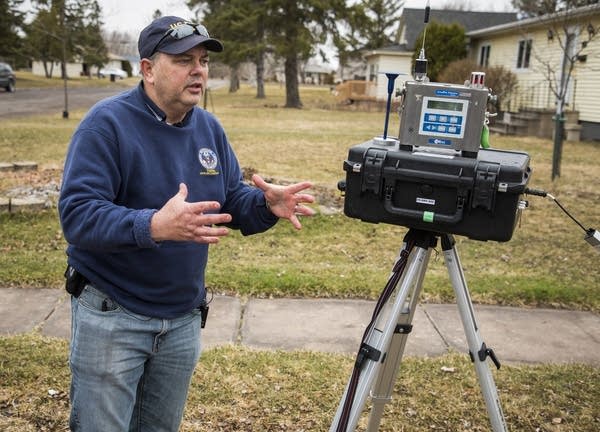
181, 32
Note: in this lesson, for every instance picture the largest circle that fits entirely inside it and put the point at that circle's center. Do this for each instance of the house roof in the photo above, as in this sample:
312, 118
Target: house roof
577, 13
411, 22
390, 50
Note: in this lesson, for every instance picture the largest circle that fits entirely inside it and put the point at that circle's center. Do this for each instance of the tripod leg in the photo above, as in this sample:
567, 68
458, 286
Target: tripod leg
381, 393
477, 348
376, 346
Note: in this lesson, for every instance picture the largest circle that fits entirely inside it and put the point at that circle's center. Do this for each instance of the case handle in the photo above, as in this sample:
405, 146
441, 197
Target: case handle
458, 180
425, 216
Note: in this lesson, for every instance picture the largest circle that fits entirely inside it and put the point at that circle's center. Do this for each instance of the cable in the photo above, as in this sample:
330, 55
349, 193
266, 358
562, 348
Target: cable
397, 272
542, 193
592, 236
566, 212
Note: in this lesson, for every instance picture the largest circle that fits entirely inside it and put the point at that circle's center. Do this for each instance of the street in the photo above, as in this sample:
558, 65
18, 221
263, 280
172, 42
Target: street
30, 101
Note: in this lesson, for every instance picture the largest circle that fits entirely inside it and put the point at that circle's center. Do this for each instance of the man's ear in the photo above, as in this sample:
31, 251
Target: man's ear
147, 69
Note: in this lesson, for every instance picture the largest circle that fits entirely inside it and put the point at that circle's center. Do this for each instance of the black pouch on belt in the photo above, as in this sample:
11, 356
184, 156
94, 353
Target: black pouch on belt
75, 281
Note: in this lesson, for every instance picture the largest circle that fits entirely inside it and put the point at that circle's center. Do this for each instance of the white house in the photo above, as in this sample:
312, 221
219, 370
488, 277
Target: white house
77, 69
393, 59
397, 58
532, 47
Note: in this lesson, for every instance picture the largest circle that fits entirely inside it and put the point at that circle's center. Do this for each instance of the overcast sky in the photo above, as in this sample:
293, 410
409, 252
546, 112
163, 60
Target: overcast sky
133, 15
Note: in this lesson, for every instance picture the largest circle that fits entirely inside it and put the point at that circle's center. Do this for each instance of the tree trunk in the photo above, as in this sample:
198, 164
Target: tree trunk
292, 94
260, 75
234, 79
559, 117
558, 142
48, 72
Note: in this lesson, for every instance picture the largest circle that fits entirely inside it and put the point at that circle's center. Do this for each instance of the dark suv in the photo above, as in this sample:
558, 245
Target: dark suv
7, 77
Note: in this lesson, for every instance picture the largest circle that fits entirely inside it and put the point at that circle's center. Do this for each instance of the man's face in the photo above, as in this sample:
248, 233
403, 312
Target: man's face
177, 81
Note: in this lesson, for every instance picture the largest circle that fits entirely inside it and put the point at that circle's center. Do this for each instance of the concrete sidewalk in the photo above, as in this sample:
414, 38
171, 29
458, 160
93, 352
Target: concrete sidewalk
516, 335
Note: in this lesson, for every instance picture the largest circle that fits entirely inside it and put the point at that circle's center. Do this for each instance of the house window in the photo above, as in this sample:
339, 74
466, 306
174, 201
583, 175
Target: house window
373, 72
524, 54
484, 55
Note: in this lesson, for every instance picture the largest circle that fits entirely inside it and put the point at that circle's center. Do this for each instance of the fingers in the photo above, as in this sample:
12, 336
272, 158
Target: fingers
200, 219
259, 182
304, 198
208, 234
304, 210
200, 228
201, 207
295, 222
297, 187
179, 220
183, 191
291, 189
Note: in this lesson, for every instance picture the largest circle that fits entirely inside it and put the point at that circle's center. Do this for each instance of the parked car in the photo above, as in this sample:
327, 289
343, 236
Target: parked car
107, 72
7, 77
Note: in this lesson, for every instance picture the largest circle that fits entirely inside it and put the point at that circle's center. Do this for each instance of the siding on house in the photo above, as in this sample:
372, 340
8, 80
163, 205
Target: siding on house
587, 74
504, 51
73, 69
504, 41
380, 62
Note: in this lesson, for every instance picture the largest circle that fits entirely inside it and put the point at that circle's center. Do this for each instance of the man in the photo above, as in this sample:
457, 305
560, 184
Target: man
149, 182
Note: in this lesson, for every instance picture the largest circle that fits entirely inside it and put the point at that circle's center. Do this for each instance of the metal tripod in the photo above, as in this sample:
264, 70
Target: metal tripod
383, 342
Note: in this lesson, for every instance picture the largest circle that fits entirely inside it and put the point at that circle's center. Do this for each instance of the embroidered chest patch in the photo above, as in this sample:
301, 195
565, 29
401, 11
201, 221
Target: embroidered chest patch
209, 161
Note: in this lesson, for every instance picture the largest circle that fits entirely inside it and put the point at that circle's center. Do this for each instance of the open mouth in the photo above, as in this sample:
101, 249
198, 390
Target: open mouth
196, 87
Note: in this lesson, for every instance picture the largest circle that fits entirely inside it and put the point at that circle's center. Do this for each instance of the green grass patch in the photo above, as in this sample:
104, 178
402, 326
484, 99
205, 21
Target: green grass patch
547, 262
32, 250
237, 389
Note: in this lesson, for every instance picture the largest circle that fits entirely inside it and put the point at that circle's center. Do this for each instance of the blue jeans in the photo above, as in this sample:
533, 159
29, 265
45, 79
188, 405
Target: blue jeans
129, 372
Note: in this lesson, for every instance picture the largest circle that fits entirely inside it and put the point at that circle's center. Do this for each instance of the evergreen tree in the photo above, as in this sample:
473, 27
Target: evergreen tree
11, 22
369, 24
288, 29
295, 29
63, 30
239, 24
444, 44
383, 16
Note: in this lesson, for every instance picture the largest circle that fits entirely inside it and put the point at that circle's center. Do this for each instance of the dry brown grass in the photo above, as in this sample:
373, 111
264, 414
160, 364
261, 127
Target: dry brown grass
240, 390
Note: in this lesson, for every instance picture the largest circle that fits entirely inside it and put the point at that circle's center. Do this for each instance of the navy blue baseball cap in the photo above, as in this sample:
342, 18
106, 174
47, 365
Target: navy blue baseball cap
174, 35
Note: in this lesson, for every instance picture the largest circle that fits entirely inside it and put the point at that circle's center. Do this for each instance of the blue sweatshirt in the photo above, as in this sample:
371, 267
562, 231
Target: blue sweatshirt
123, 164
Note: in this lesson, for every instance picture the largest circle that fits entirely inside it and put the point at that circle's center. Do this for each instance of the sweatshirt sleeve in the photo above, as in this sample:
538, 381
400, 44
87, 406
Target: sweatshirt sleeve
89, 216
245, 203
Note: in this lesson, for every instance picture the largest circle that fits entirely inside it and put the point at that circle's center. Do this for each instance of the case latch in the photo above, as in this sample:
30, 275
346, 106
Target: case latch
484, 192
373, 170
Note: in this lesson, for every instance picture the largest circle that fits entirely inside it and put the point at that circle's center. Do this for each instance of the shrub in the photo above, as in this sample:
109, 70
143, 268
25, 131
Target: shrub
500, 80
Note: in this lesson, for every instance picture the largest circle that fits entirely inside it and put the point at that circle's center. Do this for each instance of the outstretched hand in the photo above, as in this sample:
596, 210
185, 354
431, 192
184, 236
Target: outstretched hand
286, 201
180, 220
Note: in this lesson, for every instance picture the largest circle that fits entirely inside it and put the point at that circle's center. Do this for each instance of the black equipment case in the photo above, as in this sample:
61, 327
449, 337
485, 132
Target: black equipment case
475, 197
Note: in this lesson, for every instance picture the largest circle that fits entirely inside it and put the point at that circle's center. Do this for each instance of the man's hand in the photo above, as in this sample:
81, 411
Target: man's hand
179, 220
285, 201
